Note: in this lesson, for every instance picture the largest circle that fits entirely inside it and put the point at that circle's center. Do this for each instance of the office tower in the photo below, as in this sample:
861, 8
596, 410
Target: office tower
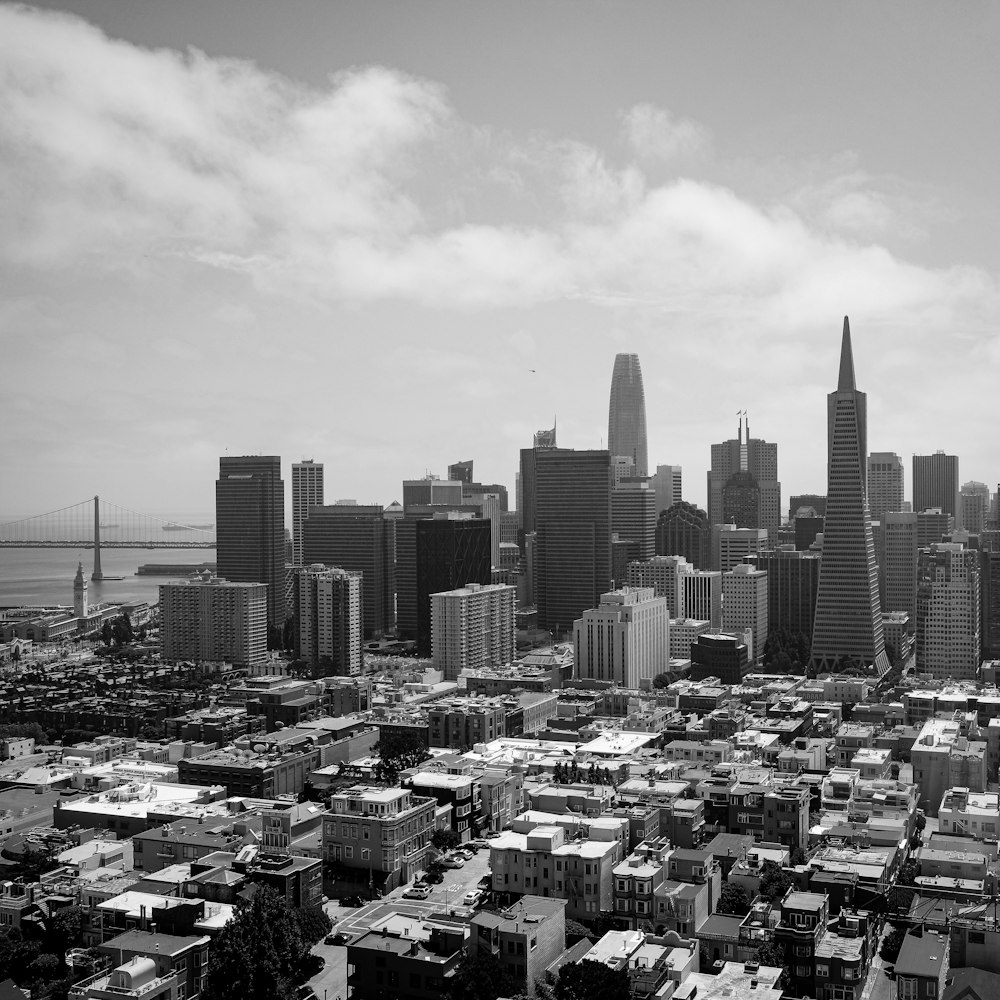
848, 614
461, 472
975, 507
633, 515
899, 569
356, 538
703, 596
753, 455
543, 441
431, 491
250, 527
684, 632
734, 545
885, 484
792, 583
625, 639
932, 526
329, 620
744, 606
80, 593
948, 611
723, 656
807, 528
307, 491
667, 484
811, 500
209, 620
627, 413
623, 551
443, 552
989, 576
622, 467
473, 627
573, 534
665, 574
683, 530
935, 484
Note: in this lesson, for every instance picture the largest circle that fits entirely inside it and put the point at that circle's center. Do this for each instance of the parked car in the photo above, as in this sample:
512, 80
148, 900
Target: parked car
351, 901
478, 842
492, 835
453, 863
473, 898
464, 855
421, 892
339, 938
434, 878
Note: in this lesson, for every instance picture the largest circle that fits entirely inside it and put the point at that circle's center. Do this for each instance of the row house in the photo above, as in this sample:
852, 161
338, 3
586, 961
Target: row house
636, 881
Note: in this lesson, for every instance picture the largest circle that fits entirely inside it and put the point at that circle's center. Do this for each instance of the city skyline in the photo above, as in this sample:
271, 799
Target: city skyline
283, 199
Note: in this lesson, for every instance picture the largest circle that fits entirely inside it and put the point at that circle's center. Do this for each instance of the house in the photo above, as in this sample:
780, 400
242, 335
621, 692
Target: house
922, 966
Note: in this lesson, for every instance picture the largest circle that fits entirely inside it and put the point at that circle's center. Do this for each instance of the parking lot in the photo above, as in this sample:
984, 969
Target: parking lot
445, 898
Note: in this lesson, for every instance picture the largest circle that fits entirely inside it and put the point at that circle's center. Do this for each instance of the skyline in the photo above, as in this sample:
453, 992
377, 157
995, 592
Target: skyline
371, 236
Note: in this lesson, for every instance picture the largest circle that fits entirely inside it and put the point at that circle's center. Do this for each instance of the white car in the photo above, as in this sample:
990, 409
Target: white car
452, 863
473, 898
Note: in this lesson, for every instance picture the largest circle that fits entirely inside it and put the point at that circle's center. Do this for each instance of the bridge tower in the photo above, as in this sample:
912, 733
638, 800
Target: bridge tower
97, 574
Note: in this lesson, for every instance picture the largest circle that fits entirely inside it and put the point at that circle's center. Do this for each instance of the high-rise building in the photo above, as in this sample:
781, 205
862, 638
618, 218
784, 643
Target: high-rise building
443, 552
573, 534
933, 525
899, 568
848, 619
734, 545
543, 441
989, 577
431, 491
633, 515
948, 611
625, 639
665, 574
800, 500
307, 491
975, 507
329, 620
473, 627
792, 583
885, 484
703, 596
668, 484
757, 457
627, 413
744, 606
250, 527
208, 620
936, 484
683, 530
461, 472
356, 537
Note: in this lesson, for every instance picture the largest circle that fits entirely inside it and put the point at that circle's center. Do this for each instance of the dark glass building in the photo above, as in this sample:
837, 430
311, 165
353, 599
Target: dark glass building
792, 582
573, 534
250, 527
717, 655
436, 554
741, 501
683, 530
356, 537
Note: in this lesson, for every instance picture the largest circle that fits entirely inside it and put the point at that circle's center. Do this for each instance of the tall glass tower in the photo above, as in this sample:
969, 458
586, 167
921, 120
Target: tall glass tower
627, 413
848, 620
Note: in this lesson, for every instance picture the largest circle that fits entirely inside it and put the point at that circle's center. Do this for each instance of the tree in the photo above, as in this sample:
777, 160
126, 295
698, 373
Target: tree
258, 955
733, 900
481, 977
588, 980
575, 931
398, 751
771, 953
64, 927
444, 840
314, 924
774, 882
891, 944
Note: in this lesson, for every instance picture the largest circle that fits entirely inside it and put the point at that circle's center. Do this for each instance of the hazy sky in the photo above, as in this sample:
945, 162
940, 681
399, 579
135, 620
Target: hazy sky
389, 236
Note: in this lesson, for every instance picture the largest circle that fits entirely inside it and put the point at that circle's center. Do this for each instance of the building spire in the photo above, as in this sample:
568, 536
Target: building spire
846, 381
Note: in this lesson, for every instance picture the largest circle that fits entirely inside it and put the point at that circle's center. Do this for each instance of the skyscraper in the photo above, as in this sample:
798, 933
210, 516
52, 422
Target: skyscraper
744, 605
668, 483
627, 412
899, 568
573, 534
250, 527
948, 611
307, 491
935, 484
633, 515
885, 484
473, 627
683, 530
757, 457
329, 613
848, 614
975, 501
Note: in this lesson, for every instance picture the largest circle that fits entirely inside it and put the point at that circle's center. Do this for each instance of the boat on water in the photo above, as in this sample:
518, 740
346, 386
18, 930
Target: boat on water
188, 527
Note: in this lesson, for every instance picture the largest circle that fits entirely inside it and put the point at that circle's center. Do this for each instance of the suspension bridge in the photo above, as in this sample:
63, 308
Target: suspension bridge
101, 524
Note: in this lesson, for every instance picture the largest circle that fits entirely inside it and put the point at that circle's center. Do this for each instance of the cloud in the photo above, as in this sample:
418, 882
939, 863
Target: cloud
655, 134
373, 189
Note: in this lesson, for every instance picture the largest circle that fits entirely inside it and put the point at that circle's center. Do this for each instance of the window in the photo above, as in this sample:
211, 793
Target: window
822, 971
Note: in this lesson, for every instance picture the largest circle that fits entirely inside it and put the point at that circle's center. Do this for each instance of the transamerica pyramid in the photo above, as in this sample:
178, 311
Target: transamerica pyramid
848, 621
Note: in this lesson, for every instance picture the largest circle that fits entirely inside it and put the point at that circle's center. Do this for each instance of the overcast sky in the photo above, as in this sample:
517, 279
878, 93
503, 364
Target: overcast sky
389, 236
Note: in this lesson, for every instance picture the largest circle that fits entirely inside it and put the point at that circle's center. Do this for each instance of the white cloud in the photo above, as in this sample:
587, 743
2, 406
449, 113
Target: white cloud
655, 134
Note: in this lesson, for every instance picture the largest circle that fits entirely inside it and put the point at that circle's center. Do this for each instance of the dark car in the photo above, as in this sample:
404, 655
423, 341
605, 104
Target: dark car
339, 938
351, 901
434, 878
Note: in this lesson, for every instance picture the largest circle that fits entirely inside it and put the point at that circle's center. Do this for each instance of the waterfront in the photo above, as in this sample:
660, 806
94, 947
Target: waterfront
45, 576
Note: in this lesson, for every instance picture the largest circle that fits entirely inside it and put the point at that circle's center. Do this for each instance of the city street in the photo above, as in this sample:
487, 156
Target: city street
445, 898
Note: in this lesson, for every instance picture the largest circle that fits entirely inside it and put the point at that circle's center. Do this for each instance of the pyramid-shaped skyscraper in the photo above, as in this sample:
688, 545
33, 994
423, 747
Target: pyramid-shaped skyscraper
848, 620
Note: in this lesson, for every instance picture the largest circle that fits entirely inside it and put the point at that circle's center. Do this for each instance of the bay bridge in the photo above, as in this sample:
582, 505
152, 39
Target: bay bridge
97, 524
